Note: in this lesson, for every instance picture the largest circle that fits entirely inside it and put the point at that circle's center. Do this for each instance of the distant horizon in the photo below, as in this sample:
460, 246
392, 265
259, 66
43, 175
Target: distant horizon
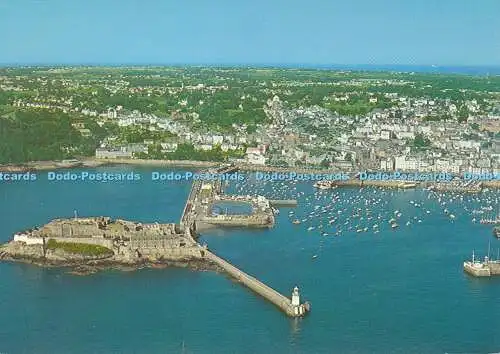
493, 69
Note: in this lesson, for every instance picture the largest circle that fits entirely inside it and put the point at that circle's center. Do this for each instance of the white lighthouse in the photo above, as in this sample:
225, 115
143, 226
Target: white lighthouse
295, 297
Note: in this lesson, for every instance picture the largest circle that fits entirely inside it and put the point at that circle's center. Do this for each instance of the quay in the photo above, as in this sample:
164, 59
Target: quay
198, 210
456, 188
374, 183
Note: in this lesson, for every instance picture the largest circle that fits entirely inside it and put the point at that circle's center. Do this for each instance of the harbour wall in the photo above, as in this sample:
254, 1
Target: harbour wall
284, 303
488, 269
236, 221
494, 268
173, 253
283, 202
385, 184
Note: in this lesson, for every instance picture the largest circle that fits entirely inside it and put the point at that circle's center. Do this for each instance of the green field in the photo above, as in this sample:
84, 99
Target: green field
85, 249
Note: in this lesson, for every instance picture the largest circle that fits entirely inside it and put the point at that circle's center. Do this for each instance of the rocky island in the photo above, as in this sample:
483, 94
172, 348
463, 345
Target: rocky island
89, 244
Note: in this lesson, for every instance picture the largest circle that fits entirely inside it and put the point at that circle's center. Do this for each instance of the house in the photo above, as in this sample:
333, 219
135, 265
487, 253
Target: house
217, 139
385, 135
85, 132
256, 159
205, 147
136, 148
253, 151
168, 147
387, 164
122, 153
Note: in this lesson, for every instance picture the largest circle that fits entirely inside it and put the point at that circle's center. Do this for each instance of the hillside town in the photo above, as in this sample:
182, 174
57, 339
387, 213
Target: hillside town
344, 121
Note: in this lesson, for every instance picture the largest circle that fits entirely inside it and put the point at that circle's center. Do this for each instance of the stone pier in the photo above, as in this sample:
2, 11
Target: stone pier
285, 304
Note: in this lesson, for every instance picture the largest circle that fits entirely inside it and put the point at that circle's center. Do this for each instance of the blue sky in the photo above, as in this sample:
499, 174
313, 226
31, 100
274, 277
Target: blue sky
441, 32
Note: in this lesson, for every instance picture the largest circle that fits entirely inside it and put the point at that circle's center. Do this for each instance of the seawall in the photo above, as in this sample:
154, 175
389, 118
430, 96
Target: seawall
254, 284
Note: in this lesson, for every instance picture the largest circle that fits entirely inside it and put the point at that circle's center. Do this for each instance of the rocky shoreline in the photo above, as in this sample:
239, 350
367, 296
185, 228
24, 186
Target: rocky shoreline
79, 265
93, 162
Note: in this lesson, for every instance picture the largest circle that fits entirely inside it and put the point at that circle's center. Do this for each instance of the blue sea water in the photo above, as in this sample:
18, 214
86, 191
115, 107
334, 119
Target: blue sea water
400, 291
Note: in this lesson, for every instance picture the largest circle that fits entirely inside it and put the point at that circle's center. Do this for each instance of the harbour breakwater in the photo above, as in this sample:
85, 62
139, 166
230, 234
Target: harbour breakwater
292, 307
102, 241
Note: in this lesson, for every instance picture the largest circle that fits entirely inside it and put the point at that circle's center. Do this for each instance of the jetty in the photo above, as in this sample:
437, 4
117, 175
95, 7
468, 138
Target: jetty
292, 307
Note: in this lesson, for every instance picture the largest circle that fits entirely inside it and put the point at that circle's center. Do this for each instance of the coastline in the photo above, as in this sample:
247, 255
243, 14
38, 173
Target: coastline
94, 162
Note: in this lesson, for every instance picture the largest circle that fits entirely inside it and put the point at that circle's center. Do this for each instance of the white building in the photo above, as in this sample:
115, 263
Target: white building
28, 240
101, 153
256, 159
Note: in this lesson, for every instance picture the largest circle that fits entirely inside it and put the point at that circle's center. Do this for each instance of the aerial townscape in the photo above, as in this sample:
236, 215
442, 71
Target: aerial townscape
297, 118
226, 119
265, 176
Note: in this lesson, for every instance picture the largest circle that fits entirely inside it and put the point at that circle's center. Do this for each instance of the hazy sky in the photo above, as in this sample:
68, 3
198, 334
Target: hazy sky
441, 32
